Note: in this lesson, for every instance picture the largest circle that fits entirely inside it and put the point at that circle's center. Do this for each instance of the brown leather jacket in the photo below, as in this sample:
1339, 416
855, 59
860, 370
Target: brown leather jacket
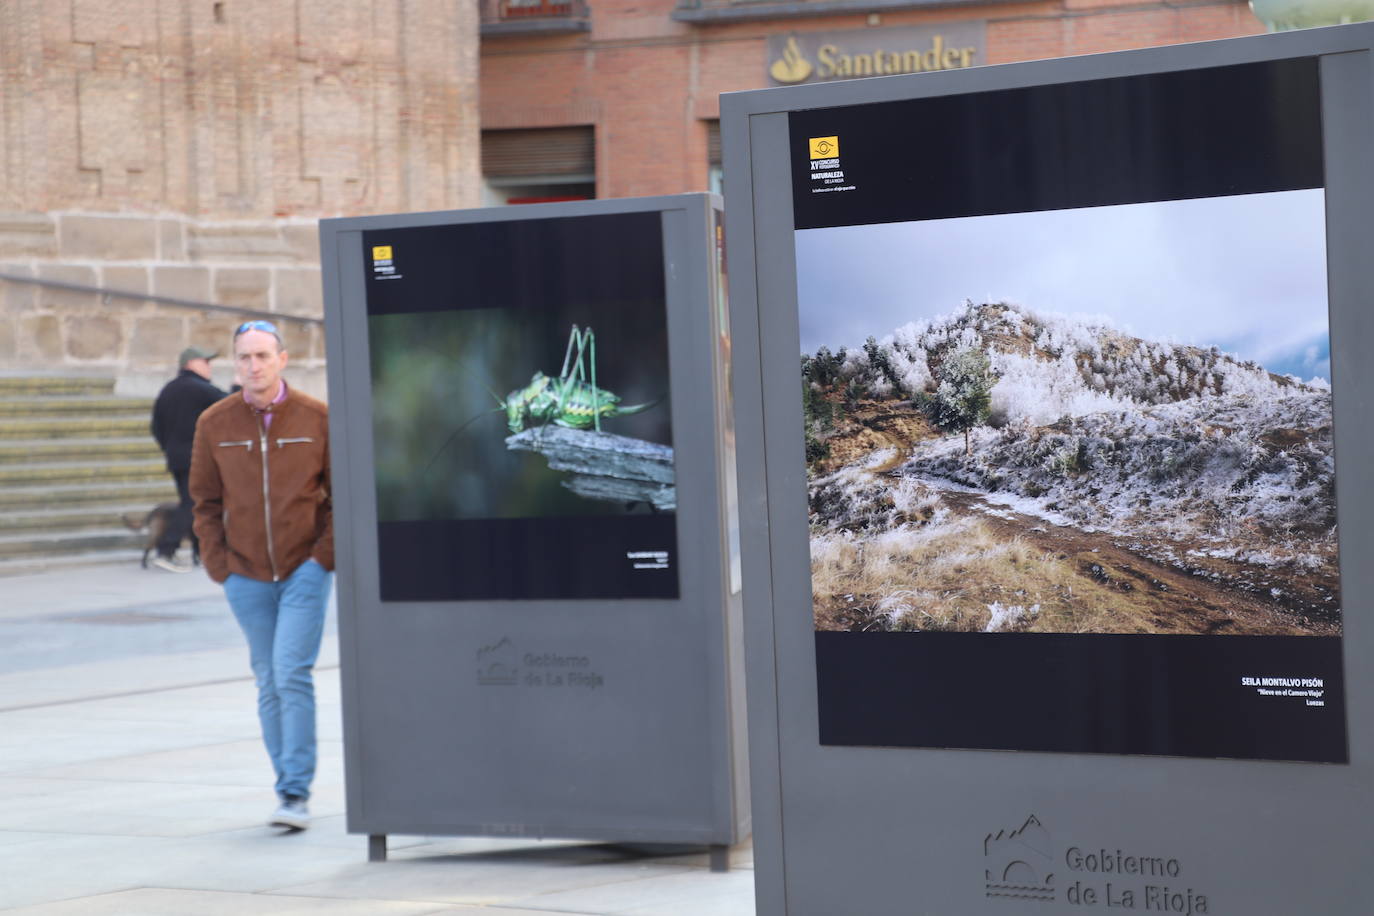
262, 503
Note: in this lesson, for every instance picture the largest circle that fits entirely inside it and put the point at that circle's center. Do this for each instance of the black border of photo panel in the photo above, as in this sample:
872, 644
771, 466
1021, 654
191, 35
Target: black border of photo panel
1242, 129
531, 268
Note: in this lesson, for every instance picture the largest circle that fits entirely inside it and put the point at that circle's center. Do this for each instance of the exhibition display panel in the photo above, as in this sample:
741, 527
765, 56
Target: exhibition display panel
539, 622
1053, 552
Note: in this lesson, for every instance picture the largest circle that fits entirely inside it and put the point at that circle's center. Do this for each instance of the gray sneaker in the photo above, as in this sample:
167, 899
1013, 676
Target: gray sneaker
170, 565
291, 813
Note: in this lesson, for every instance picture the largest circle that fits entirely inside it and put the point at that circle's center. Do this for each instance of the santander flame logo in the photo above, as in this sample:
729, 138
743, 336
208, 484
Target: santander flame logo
792, 67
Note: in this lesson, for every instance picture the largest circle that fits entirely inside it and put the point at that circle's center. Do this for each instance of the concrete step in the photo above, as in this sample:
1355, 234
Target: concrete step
41, 407
26, 451
72, 518
20, 386
14, 475
146, 493
47, 543
74, 459
33, 563
76, 427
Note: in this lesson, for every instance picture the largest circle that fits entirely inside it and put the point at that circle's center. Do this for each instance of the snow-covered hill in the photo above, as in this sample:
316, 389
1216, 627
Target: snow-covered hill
1050, 365
1177, 447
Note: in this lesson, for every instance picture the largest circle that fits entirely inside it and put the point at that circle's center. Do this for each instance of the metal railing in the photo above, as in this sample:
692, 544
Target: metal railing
106, 294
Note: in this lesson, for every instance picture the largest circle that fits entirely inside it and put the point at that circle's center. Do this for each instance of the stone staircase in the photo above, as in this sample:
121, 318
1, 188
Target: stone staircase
73, 460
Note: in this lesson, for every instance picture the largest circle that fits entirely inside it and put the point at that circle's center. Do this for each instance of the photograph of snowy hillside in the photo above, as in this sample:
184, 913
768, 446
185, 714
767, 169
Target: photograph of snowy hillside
1106, 420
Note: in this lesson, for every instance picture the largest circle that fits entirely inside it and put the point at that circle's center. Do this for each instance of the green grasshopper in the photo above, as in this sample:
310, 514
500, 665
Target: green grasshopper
571, 400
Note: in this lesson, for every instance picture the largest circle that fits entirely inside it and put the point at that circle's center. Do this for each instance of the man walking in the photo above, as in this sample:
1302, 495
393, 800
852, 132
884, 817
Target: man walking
260, 481
175, 412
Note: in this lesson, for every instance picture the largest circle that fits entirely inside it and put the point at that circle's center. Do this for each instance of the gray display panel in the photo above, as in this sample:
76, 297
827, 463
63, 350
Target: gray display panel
861, 805
491, 687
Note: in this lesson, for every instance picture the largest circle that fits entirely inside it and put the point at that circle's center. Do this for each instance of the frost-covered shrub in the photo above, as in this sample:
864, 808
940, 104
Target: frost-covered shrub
1038, 391
1009, 616
910, 366
1199, 462
852, 499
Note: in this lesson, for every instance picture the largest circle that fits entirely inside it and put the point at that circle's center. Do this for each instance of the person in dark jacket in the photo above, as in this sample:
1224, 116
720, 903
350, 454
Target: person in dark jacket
175, 413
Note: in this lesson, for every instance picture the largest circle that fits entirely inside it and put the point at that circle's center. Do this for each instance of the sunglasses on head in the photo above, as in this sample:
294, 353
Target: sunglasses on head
257, 325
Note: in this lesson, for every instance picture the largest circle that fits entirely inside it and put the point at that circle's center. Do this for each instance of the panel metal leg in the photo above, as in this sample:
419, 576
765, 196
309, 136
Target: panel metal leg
720, 858
376, 847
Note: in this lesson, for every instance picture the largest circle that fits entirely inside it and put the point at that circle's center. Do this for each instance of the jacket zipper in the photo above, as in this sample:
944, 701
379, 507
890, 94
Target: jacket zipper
267, 501
281, 442
246, 443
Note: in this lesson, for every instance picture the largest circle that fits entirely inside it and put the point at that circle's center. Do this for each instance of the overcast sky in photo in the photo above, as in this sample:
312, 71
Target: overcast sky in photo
1245, 273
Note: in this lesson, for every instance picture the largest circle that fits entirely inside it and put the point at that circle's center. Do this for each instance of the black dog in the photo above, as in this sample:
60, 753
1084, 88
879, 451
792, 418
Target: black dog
154, 525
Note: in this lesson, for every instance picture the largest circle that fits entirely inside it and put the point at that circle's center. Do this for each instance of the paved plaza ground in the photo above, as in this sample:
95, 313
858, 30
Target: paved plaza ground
133, 783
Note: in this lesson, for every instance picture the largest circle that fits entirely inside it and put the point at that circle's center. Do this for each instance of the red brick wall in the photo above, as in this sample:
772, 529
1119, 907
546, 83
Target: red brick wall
646, 82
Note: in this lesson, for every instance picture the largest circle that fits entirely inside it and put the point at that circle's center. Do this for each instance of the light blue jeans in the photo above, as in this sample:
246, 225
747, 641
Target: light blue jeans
284, 622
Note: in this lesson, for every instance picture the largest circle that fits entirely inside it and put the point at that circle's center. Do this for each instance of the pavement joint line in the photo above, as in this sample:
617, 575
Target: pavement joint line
532, 908
84, 897
138, 693
141, 608
444, 905
256, 785
50, 833
536, 908
40, 773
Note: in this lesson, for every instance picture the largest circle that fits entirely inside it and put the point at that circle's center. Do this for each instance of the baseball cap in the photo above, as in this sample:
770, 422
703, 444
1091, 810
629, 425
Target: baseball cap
191, 353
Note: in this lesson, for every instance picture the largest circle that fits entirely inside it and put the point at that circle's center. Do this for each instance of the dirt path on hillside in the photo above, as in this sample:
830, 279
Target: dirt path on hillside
901, 451
1211, 600
1159, 586
874, 426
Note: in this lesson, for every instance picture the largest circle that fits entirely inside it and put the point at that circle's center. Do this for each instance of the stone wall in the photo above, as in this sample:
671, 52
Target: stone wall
269, 266
186, 149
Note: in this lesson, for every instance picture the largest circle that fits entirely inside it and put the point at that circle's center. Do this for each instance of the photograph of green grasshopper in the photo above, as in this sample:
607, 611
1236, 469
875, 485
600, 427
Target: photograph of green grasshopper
594, 439
573, 399
522, 427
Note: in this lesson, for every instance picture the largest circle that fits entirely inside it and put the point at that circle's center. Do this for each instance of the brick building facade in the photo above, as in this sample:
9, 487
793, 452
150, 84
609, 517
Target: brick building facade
637, 82
184, 150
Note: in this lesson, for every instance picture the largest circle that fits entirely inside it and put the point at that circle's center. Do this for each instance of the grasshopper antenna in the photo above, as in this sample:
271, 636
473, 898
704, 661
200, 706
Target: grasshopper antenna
454, 435
501, 402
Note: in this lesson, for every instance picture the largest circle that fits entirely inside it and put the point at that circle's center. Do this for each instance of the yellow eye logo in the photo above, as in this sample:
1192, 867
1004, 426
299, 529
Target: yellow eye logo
792, 67
381, 252
825, 147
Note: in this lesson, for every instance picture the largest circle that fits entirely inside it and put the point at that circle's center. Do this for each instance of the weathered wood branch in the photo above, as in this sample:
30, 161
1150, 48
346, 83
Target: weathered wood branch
605, 466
